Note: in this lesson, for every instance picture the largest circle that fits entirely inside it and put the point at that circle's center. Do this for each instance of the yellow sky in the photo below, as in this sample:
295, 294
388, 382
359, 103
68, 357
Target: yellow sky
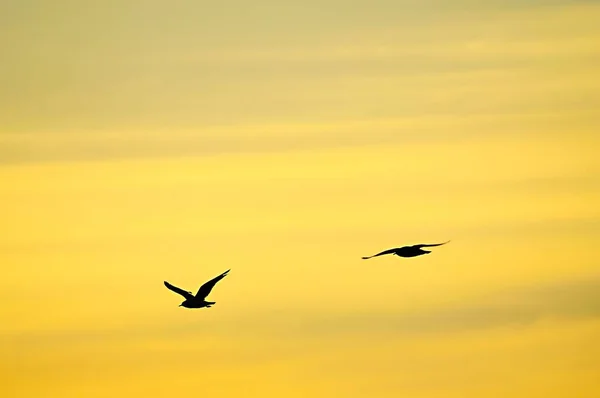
144, 141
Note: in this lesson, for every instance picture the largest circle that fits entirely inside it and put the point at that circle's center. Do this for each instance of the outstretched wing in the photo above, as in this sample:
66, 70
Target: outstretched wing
187, 295
207, 287
430, 245
389, 251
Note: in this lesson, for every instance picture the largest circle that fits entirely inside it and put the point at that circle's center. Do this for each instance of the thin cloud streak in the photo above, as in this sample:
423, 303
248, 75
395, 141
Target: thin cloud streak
20, 148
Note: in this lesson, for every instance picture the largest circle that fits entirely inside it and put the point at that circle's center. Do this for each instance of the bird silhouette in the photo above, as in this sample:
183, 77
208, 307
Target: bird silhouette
197, 301
407, 251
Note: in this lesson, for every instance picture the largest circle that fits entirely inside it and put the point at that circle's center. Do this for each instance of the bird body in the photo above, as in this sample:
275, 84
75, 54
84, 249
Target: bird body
197, 304
407, 251
197, 301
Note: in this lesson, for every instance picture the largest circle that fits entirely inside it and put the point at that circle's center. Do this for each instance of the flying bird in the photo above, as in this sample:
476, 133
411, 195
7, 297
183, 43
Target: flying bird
197, 301
407, 251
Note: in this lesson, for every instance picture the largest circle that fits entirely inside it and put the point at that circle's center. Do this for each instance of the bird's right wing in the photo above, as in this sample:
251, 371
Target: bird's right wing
430, 245
389, 251
177, 290
207, 287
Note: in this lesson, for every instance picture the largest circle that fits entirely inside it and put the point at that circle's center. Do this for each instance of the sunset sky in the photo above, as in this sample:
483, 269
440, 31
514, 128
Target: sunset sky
143, 141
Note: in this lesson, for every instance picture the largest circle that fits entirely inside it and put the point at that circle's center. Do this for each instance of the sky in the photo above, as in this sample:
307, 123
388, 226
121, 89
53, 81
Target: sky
143, 141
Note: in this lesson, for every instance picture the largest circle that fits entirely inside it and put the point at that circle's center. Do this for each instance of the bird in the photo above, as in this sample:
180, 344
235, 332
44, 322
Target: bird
197, 301
407, 251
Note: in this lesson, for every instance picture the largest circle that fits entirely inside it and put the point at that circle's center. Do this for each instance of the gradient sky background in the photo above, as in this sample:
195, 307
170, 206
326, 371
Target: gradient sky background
143, 141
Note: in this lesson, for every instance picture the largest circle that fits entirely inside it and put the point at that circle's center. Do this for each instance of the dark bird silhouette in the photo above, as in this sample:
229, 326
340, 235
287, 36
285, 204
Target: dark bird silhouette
197, 301
407, 251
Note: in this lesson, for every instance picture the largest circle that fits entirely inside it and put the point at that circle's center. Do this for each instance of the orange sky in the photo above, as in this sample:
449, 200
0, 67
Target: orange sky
151, 141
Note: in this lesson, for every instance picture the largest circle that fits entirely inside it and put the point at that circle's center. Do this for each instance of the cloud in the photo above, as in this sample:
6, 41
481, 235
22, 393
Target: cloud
432, 128
529, 58
514, 307
509, 308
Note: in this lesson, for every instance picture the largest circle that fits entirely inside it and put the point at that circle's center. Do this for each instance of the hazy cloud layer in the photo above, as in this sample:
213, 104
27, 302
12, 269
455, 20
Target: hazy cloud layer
512, 307
454, 72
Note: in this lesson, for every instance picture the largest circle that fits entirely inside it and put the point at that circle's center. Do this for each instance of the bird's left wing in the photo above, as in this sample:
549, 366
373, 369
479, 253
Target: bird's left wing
177, 290
207, 287
389, 251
